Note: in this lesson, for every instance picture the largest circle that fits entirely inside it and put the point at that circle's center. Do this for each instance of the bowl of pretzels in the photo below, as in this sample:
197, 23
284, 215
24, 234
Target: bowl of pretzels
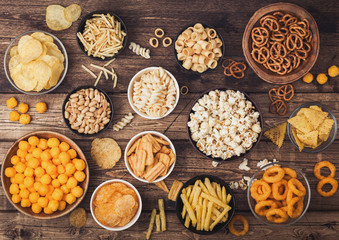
281, 42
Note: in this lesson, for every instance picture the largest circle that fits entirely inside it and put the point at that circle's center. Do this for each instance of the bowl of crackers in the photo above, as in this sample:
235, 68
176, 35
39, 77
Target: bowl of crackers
312, 127
150, 156
45, 175
102, 35
35, 62
198, 48
281, 42
205, 204
116, 205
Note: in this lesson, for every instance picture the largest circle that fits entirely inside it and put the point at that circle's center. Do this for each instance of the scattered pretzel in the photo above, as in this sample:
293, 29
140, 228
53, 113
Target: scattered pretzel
279, 97
234, 68
280, 42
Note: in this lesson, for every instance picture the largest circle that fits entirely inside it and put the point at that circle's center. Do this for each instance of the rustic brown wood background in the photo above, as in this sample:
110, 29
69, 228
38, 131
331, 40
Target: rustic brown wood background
142, 18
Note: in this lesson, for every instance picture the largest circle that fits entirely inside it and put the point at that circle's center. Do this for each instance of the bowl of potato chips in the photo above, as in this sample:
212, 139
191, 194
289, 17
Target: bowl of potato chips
35, 62
116, 205
312, 127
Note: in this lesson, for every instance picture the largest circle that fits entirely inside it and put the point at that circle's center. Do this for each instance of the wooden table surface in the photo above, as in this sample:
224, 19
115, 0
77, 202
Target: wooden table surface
142, 18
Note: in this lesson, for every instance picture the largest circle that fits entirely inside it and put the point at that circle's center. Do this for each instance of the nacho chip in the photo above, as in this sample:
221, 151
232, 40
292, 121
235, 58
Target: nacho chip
301, 123
315, 117
325, 129
315, 107
78, 218
297, 140
277, 134
105, 152
310, 139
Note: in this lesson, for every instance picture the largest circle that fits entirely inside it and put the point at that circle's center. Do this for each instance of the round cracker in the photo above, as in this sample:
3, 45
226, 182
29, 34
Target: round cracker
78, 218
106, 152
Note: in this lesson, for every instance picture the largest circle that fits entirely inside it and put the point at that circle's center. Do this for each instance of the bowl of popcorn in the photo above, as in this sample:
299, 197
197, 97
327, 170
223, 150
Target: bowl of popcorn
153, 93
224, 124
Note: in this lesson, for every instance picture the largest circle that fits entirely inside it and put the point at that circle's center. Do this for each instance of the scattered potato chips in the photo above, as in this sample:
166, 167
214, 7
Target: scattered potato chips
310, 127
78, 218
149, 157
36, 63
105, 152
59, 18
277, 134
115, 204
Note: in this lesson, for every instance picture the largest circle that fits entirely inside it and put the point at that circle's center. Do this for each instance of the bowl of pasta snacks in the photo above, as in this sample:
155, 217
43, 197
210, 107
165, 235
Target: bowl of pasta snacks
205, 204
153, 93
279, 194
312, 127
102, 35
150, 156
281, 42
35, 62
198, 48
87, 110
224, 124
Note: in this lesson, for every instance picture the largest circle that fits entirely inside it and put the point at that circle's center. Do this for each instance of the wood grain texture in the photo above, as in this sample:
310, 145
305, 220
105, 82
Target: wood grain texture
142, 18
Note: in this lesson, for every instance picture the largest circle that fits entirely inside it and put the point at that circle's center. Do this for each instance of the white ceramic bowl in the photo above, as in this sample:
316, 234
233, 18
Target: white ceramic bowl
133, 220
130, 92
130, 143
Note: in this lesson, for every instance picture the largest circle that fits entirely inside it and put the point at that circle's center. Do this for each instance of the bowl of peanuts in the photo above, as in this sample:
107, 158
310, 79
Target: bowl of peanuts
281, 42
45, 175
87, 110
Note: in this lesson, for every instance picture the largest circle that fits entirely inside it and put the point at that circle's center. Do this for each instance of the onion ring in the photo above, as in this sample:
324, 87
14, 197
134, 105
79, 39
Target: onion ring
243, 220
275, 190
322, 164
261, 208
293, 211
276, 216
296, 187
289, 173
328, 180
184, 90
265, 188
273, 174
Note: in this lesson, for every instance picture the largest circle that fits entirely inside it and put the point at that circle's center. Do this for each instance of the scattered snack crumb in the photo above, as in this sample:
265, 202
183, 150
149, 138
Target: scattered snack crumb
11, 103
25, 119
41, 107
243, 165
308, 78
106, 152
322, 78
333, 71
215, 163
23, 108
162, 186
264, 162
78, 218
14, 116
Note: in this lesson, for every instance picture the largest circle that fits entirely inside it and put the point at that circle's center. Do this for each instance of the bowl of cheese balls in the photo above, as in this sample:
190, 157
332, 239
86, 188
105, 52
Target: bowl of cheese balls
198, 48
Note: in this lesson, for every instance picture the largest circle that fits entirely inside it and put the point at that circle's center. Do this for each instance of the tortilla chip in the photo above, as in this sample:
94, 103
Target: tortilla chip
300, 123
315, 107
300, 144
315, 117
277, 134
325, 129
301, 111
310, 139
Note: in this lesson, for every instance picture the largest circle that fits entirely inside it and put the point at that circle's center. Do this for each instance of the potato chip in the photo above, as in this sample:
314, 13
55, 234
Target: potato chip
14, 51
22, 41
13, 62
21, 80
105, 152
40, 71
31, 50
72, 12
78, 218
277, 134
53, 50
42, 37
310, 139
315, 117
55, 18
301, 123
325, 129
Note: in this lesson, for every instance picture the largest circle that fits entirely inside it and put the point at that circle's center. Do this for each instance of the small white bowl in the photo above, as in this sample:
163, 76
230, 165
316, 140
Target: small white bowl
133, 220
130, 143
130, 92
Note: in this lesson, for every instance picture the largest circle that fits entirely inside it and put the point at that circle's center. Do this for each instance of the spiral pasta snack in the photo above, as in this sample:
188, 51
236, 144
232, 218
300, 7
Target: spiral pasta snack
138, 50
154, 93
123, 122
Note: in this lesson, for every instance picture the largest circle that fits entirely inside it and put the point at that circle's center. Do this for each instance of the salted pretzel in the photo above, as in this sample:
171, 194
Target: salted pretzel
260, 36
273, 94
286, 92
279, 107
294, 41
234, 68
278, 50
260, 55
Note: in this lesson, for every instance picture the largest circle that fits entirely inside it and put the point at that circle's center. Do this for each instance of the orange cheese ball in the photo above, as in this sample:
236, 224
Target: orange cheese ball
77, 191
25, 202
70, 169
11, 102
55, 151
62, 178
79, 164
24, 145
42, 144
29, 172
19, 178
47, 210
55, 183
43, 189
70, 198
46, 179
20, 167
21, 153
29, 182
37, 152
29, 156
64, 147
33, 163
39, 171
58, 194
45, 155
14, 188
53, 142
72, 153
61, 169
56, 161
23, 108
62, 205
41, 107
14, 116
53, 205
79, 176
64, 158
16, 198
71, 182
43, 202
15, 159
25, 119
36, 208
24, 193
65, 189
33, 140
10, 172
33, 197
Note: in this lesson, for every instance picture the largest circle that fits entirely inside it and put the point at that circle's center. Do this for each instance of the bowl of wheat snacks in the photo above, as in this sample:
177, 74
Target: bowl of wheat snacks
153, 93
198, 48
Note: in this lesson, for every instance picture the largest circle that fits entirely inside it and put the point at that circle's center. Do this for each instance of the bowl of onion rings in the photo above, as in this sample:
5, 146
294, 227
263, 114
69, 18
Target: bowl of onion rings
279, 194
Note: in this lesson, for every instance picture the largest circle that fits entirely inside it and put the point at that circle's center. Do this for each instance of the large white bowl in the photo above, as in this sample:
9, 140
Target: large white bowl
130, 92
133, 220
130, 143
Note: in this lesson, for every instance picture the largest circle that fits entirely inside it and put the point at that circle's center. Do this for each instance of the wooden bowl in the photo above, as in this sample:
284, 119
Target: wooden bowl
304, 67
6, 181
